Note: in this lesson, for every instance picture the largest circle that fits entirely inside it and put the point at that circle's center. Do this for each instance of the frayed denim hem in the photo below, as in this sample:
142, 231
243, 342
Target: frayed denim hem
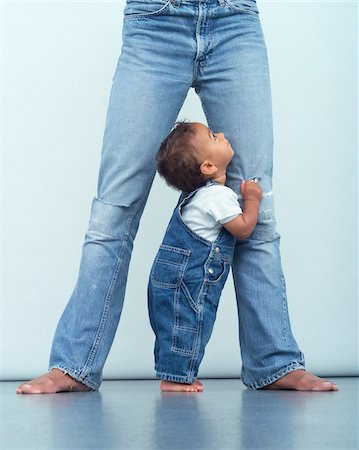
84, 380
290, 368
176, 378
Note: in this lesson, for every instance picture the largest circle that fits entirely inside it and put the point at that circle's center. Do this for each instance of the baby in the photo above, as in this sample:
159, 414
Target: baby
194, 259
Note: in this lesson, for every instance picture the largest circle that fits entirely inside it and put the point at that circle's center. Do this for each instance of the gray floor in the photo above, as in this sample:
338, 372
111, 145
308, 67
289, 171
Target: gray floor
134, 414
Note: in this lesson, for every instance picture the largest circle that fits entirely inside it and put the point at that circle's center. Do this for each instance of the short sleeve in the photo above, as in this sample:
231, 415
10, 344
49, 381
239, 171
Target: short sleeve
223, 205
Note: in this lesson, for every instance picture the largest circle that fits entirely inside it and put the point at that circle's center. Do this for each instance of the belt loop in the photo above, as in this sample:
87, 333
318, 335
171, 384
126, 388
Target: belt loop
176, 3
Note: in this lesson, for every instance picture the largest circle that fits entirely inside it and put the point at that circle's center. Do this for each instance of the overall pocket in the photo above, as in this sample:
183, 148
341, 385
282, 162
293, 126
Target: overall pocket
216, 269
169, 266
136, 9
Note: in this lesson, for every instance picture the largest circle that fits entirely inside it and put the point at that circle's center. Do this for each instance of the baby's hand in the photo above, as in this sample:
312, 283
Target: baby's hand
251, 190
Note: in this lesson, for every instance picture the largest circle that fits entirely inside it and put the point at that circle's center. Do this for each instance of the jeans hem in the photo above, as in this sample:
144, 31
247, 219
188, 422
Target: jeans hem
177, 378
287, 369
84, 380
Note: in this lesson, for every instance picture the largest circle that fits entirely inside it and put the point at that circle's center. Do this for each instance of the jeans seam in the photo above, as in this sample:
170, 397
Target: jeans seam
285, 318
276, 376
189, 379
104, 317
186, 292
88, 381
197, 344
284, 321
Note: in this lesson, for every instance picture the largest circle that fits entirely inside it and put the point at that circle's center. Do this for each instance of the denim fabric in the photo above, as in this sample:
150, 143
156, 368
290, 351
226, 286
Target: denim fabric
184, 288
169, 46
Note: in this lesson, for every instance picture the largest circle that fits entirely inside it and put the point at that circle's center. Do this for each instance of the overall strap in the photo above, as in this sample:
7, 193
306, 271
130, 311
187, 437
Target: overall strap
185, 196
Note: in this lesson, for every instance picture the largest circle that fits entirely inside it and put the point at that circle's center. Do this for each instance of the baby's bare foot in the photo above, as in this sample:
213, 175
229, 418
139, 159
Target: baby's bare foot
301, 380
196, 386
54, 381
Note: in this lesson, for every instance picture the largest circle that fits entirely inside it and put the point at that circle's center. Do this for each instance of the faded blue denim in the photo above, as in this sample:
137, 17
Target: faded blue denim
184, 287
168, 46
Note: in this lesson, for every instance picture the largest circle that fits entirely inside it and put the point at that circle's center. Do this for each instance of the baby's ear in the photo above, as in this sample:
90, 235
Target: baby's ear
207, 167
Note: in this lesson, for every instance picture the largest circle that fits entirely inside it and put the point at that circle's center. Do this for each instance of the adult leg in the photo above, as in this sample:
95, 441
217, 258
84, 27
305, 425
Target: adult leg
234, 87
149, 87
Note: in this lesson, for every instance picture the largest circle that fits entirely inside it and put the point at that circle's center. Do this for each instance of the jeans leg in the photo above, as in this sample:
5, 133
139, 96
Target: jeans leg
148, 90
234, 87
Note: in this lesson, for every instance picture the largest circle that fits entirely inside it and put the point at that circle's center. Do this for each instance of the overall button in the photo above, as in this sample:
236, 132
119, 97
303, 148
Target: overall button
210, 270
217, 250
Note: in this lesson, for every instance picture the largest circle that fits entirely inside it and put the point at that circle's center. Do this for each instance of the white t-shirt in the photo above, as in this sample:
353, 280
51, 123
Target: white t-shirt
209, 208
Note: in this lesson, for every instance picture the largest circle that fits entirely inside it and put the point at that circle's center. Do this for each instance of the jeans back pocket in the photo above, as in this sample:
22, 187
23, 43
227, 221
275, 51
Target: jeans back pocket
169, 266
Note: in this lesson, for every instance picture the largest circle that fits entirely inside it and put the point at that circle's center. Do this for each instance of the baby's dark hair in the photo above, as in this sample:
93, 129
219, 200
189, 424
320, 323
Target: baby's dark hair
178, 158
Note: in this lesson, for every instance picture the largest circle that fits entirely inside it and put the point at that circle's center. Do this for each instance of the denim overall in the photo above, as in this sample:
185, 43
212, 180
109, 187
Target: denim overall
184, 288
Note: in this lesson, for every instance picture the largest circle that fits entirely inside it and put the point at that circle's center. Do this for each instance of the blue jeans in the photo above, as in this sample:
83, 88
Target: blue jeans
216, 47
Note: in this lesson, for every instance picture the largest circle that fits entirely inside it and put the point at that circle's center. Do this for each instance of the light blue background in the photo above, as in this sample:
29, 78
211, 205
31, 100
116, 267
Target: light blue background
58, 60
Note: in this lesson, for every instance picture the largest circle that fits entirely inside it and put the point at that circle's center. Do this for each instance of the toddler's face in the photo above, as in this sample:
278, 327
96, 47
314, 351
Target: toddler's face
213, 146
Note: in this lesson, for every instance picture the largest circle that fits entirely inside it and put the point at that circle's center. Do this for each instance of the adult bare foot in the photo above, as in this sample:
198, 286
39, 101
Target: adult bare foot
196, 386
54, 381
301, 380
